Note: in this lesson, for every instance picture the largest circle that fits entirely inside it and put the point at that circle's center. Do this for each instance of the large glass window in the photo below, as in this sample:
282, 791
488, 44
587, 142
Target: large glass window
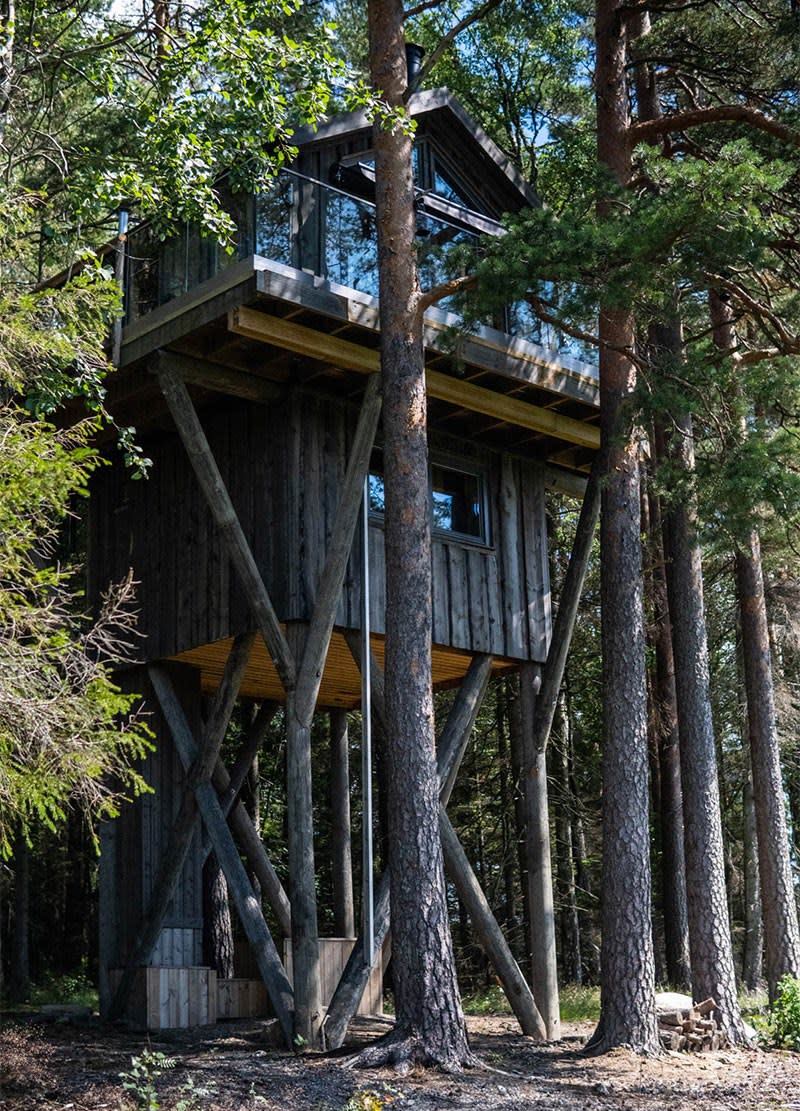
457, 497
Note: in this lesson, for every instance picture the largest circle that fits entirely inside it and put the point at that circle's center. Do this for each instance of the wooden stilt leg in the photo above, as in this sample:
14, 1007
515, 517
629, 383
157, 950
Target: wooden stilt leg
452, 744
491, 936
263, 947
302, 885
542, 941
342, 861
198, 772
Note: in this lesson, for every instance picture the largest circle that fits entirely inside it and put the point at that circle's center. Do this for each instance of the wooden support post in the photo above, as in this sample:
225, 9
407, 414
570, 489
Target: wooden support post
460, 722
489, 933
239, 820
219, 502
344, 922
302, 886
198, 772
452, 744
107, 911
266, 955
564, 625
542, 942
315, 649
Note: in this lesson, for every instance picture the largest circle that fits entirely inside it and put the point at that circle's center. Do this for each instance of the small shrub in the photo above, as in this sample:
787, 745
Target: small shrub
140, 1080
372, 1099
492, 1001
73, 987
783, 1021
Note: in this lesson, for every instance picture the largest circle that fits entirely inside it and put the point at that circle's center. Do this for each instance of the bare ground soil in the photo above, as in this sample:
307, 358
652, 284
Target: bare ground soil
233, 1065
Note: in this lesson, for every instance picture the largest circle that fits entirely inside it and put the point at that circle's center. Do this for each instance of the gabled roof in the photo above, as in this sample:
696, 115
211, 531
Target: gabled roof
441, 117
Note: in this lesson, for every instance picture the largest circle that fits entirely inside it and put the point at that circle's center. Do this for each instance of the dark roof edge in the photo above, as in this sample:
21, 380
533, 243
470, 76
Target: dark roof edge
429, 100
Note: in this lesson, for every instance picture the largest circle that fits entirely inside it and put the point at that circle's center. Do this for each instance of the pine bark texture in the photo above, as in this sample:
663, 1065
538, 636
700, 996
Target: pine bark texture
627, 1001
781, 934
673, 861
429, 1028
217, 926
753, 956
709, 924
781, 937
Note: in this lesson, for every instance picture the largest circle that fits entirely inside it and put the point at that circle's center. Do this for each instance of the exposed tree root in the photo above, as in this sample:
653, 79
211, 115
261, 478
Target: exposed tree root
403, 1050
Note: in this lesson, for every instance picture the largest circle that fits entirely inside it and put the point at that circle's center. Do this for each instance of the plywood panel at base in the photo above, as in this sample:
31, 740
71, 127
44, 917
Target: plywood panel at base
341, 682
333, 956
240, 998
164, 998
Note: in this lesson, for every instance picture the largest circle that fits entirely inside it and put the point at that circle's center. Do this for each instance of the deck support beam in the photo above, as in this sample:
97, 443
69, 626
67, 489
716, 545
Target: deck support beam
198, 772
344, 922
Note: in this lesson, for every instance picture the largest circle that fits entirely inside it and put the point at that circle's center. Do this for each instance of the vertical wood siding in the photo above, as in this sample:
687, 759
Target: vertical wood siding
284, 466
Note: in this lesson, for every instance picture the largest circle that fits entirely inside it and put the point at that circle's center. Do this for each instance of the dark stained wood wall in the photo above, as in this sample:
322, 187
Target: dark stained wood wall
284, 465
140, 834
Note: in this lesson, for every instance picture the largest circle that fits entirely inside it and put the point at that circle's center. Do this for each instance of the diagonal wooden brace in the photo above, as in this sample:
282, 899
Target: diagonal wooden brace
452, 744
219, 502
264, 951
180, 837
228, 786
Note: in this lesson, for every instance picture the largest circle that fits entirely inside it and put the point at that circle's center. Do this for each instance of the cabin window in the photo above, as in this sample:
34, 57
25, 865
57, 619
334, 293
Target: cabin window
458, 498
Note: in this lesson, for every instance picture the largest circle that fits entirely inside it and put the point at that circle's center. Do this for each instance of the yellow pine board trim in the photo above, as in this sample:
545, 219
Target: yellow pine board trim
352, 356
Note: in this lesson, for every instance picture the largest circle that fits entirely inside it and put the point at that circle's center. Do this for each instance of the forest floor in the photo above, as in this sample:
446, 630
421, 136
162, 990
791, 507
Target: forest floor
233, 1065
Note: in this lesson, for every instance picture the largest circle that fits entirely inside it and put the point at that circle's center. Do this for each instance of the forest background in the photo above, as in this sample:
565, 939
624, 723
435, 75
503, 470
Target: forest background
699, 243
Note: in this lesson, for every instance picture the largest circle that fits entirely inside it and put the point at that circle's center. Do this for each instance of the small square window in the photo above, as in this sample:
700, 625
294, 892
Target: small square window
458, 498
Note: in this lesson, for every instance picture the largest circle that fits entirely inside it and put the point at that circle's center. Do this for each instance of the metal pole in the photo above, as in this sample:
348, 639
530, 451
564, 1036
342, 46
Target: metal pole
119, 275
366, 741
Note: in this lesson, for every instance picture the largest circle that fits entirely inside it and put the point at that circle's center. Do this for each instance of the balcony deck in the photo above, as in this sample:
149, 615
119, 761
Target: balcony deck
259, 324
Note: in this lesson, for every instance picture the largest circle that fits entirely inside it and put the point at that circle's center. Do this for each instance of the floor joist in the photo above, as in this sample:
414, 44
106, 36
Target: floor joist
352, 356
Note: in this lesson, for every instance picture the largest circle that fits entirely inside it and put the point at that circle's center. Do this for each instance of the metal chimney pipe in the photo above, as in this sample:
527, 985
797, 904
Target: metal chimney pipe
414, 56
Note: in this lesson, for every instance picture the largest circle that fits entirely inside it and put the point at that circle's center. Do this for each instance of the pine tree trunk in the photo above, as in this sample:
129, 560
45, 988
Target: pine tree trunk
19, 979
673, 862
571, 967
430, 1027
217, 927
627, 1000
753, 957
515, 744
781, 936
709, 926
507, 810
781, 933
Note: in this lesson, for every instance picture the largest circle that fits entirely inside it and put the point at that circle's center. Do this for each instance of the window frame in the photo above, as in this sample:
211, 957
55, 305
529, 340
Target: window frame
473, 467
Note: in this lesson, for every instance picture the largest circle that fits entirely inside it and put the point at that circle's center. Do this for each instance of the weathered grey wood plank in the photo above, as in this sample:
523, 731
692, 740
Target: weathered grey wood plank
208, 474
339, 548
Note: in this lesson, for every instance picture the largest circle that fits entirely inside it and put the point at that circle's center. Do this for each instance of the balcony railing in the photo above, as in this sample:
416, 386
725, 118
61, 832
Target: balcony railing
316, 228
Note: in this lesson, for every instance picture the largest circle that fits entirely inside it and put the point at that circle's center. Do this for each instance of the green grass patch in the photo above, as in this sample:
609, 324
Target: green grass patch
579, 1004
74, 988
491, 1001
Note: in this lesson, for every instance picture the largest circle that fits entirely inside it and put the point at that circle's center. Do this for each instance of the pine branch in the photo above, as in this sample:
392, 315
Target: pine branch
425, 6
648, 130
446, 289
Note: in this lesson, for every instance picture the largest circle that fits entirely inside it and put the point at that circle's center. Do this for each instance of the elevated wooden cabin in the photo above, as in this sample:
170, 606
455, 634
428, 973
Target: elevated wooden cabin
251, 380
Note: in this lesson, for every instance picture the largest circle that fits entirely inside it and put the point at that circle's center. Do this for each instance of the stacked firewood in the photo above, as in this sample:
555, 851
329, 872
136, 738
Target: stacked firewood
691, 1028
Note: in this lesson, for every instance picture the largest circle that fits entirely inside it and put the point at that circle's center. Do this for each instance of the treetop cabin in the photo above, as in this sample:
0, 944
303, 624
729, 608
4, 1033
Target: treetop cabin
257, 539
